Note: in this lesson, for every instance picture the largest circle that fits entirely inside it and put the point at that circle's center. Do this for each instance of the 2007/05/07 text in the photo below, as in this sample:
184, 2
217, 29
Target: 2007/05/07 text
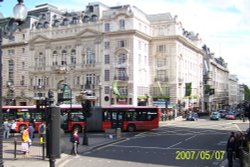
202, 155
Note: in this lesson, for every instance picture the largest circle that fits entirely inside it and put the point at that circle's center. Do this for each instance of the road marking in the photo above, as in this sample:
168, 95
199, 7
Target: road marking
175, 144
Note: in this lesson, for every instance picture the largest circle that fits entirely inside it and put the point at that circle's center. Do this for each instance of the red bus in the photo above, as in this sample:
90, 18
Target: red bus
128, 118
22, 116
72, 117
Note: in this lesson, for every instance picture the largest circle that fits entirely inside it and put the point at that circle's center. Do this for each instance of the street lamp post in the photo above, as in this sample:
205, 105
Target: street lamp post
100, 94
20, 14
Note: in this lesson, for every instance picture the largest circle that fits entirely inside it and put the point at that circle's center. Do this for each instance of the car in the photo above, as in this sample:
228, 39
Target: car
215, 116
230, 116
192, 117
223, 113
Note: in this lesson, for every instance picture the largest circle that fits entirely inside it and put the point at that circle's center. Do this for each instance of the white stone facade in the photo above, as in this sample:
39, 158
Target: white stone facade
146, 55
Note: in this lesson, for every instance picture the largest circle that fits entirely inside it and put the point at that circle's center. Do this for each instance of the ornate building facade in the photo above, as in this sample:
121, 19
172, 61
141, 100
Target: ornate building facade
120, 53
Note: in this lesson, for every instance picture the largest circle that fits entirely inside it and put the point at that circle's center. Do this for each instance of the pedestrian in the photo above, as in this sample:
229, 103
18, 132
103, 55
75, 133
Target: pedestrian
6, 127
42, 132
237, 144
25, 141
75, 140
230, 149
31, 132
13, 127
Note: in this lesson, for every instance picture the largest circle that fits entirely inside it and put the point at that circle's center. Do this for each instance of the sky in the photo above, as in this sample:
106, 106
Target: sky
223, 25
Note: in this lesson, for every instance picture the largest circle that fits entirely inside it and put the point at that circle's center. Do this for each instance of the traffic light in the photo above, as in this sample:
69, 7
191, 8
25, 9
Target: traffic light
53, 145
87, 108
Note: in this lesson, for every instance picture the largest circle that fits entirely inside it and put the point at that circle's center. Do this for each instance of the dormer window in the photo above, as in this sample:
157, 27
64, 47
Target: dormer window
65, 22
56, 23
94, 18
86, 19
46, 25
75, 20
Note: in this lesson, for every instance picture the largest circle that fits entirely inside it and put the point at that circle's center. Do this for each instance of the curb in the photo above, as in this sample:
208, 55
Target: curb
67, 156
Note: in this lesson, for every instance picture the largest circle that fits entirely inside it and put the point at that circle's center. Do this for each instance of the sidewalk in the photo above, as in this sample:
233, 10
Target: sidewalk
35, 157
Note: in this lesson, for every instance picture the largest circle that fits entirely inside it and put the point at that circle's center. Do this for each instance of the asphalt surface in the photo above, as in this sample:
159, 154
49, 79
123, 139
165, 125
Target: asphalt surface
179, 143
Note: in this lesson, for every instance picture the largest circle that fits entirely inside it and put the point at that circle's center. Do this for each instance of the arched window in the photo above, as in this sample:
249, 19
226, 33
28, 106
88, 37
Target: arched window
73, 56
64, 58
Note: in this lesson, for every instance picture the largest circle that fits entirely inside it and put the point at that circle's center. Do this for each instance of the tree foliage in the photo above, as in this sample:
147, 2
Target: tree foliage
247, 93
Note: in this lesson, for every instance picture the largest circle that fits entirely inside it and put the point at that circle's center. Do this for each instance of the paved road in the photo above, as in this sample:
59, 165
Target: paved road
166, 146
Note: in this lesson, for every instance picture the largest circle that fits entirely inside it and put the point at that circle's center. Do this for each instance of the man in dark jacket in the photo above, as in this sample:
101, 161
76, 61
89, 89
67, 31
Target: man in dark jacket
231, 145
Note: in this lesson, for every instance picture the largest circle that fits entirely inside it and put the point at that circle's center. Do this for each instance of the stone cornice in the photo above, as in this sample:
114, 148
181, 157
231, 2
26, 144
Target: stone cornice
182, 40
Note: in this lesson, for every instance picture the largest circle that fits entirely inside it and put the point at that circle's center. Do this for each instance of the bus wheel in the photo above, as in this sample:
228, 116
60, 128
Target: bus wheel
21, 127
131, 127
78, 128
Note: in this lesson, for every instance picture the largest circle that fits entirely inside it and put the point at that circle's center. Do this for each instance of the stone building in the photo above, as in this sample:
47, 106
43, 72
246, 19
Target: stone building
120, 53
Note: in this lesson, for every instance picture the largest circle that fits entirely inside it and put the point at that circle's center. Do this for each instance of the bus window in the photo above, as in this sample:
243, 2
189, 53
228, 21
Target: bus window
131, 116
106, 116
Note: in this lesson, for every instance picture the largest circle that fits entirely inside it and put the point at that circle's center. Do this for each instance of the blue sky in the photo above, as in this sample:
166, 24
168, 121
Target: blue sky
223, 25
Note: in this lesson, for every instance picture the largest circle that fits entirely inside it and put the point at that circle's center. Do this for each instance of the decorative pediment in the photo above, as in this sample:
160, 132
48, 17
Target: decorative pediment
88, 33
121, 50
39, 39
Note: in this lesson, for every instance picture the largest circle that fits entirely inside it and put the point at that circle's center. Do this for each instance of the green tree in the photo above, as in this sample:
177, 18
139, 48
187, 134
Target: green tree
247, 93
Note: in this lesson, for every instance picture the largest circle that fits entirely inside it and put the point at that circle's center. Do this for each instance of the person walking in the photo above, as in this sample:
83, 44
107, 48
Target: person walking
25, 141
13, 127
31, 133
6, 127
42, 132
230, 149
75, 140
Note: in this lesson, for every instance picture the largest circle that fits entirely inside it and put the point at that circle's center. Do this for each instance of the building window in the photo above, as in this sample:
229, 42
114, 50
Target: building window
11, 70
77, 80
106, 45
106, 89
161, 62
107, 27
122, 58
106, 59
161, 75
23, 65
122, 74
54, 57
64, 58
11, 52
22, 81
161, 48
106, 75
90, 56
122, 24
23, 50
90, 81
73, 56
121, 43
